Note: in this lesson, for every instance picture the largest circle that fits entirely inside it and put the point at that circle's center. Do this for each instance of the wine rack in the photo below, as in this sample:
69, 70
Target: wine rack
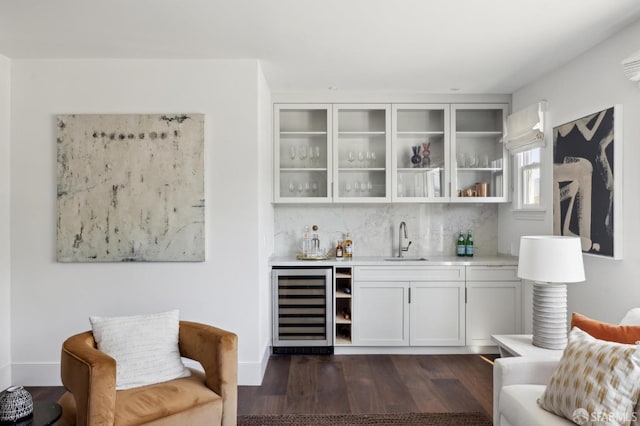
343, 305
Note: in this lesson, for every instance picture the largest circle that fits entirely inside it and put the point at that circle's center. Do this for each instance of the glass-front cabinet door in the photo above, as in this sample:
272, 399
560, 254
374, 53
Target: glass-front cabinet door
362, 141
479, 159
303, 154
420, 153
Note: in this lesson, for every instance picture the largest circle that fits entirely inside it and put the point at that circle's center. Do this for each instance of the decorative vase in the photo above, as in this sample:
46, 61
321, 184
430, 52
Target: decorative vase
426, 159
15, 404
416, 160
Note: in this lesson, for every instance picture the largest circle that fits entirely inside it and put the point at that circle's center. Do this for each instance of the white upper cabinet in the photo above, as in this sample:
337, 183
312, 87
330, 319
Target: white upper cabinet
362, 142
372, 153
420, 153
478, 157
302, 153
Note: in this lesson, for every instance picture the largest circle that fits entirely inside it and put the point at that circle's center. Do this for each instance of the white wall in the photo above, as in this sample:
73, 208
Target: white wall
51, 301
5, 258
265, 214
587, 84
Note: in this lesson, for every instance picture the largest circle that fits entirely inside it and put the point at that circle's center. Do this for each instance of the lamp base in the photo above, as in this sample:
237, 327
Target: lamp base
550, 315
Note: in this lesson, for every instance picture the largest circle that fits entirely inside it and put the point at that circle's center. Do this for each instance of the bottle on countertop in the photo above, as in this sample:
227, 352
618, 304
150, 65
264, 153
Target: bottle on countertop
461, 249
315, 246
306, 243
348, 246
468, 244
339, 250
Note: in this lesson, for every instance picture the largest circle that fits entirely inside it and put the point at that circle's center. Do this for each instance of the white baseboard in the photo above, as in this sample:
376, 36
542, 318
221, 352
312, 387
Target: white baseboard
36, 374
5, 376
48, 374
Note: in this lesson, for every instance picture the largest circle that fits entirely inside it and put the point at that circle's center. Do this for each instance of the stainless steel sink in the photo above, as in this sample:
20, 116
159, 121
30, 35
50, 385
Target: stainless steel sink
405, 259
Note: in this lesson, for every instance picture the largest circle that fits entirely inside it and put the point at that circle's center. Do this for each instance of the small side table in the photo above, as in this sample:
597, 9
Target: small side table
45, 413
521, 345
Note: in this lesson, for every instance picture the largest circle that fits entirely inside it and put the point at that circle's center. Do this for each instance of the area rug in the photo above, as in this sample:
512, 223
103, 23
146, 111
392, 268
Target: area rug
399, 419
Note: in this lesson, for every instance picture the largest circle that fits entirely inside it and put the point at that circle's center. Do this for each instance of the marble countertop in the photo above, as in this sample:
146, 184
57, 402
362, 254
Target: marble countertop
500, 260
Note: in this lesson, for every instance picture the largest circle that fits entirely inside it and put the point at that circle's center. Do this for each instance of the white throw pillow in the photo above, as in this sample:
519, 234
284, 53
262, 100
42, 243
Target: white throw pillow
596, 381
145, 347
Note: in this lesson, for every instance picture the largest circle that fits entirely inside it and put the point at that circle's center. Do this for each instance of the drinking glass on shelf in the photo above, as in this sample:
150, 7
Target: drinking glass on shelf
373, 158
369, 186
360, 157
316, 154
351, 157
292, 154
307, 186
364, 186
314, 186
356, 186
300, 187
368, 156
302, 153
292, 186
347, 187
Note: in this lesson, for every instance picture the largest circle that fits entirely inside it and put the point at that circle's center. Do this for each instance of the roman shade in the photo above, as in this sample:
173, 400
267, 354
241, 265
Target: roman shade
525, 128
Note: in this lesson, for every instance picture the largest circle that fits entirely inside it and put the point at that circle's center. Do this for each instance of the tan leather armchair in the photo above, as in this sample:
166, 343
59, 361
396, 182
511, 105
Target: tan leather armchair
202, 399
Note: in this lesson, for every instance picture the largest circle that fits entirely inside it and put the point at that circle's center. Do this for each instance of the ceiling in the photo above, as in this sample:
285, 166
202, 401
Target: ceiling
430, 46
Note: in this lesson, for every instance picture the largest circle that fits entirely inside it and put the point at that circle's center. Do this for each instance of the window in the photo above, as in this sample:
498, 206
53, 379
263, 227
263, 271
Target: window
527, 176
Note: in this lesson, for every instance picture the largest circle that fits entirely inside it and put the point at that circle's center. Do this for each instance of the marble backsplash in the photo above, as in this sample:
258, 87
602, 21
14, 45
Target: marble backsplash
432, 228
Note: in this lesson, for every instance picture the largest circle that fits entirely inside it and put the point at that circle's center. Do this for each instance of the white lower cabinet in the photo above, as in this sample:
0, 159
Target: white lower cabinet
493, 303
437, 313
409, 306
381, 313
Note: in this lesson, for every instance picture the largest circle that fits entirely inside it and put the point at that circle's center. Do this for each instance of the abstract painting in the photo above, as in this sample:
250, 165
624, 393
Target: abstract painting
130, 187
587, 179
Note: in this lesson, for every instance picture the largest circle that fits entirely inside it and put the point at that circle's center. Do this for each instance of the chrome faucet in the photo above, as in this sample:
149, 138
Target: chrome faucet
401, 248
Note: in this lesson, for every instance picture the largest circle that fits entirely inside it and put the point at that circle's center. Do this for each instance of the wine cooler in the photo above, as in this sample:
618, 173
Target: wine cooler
302, 310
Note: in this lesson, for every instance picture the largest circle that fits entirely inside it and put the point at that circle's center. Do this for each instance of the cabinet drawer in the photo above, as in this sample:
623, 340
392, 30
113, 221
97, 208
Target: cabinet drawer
492, 273
409, 273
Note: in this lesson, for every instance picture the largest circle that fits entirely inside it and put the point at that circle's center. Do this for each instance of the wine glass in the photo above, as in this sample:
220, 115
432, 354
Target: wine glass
356, 186
369, 186
314, 186
360, 157
347, 187
351, 157
364, 186
302, 153
373, 157
292, 186
368, 157
316, 154
292, 153
307, 186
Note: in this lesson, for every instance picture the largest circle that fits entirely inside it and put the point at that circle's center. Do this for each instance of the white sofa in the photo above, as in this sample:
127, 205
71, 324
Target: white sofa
517, 384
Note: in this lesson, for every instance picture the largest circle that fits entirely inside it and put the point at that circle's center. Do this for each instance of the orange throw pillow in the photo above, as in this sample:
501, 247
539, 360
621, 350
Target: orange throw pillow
629, 334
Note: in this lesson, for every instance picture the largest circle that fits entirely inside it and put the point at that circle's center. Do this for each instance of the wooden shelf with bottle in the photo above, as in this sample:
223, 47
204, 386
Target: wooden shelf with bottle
342, 305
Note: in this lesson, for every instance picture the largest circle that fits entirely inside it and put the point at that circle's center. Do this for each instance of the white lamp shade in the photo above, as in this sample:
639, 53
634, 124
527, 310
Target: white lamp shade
550, 259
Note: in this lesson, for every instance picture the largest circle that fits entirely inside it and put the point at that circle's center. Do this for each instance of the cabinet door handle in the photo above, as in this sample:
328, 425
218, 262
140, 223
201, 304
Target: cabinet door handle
409, 294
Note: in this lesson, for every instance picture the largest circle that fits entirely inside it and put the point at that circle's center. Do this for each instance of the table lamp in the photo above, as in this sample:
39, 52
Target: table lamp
550, 261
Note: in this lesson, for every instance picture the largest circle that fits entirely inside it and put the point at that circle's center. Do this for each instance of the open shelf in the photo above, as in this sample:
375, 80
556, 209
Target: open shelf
343, 303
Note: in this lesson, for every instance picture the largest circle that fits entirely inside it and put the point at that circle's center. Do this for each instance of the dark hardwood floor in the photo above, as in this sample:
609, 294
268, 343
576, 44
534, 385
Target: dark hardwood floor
362, 384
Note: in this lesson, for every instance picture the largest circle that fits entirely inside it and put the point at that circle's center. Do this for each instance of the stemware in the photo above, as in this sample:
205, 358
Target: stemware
360, 157
292, 186
302, 153
314, 186
351, 157
316, 154
373, 158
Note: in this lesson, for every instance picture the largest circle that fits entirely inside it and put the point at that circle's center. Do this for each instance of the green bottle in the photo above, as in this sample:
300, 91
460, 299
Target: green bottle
460, 247
468, 244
